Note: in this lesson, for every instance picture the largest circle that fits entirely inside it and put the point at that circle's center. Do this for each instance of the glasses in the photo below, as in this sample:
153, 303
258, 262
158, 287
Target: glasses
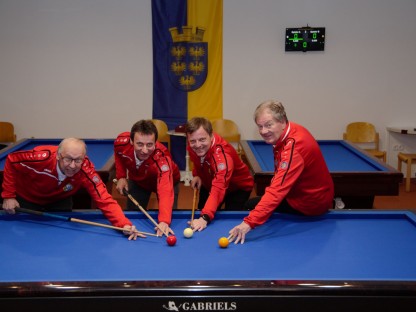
68, 160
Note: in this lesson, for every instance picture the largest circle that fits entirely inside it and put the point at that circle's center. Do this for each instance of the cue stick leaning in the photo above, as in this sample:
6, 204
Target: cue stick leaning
55, 216
141, 208
194, 204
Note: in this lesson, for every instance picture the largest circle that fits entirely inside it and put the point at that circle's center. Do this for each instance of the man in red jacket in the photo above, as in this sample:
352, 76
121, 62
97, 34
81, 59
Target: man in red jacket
144, 165
219, 173
301, 184
46, 177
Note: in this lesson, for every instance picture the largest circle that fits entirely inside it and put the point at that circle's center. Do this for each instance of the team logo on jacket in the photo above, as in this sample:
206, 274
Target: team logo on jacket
96, 179
68, 187
283, 165
221, 166
165, 168
188, 58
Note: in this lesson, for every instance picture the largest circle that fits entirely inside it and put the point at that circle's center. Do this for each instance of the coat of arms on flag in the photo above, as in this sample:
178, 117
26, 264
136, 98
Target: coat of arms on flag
187, 58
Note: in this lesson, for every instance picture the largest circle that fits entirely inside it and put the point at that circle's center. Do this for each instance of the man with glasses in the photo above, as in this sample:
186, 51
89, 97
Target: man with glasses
45, 178
219, 173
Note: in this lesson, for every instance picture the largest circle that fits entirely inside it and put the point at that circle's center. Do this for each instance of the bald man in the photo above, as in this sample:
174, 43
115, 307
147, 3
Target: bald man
46, 177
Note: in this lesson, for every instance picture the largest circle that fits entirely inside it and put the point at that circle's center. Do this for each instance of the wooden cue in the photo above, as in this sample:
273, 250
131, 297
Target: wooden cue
194, 204
141, 208
41, 213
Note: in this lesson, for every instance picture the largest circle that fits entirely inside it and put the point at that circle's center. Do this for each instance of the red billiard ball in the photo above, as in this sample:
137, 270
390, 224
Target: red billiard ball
171, 240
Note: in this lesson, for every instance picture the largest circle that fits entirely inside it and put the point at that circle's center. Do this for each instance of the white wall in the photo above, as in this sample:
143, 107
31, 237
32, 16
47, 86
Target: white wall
84, 68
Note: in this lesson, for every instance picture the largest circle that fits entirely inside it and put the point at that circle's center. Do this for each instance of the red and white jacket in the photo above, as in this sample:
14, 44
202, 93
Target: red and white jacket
220, 170
301, 176
156, 174
33, 175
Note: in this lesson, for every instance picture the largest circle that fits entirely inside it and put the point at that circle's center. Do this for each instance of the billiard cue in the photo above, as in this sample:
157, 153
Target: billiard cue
141, 208
55, 216
194, 204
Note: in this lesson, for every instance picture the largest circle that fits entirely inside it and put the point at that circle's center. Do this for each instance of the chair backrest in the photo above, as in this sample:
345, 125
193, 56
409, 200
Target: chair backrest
228, 129
162, 129
362, 132
7, 132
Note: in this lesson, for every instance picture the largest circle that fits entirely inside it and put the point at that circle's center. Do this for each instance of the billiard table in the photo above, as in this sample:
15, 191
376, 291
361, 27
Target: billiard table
100, 151
343, 260
357, 175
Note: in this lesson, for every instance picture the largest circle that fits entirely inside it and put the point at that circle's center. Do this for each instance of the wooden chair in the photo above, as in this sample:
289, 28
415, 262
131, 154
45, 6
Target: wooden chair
162, 129
408, 159
228, 129
365, 133
7, 132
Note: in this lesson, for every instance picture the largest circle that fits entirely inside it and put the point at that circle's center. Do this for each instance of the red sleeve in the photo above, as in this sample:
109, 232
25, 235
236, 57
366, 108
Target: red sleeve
290, 167
103, 200
165, 186
222, 165
14, 160
9, 185
121, 144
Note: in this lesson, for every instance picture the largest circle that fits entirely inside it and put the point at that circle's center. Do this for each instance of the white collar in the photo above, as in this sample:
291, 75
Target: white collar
61, 175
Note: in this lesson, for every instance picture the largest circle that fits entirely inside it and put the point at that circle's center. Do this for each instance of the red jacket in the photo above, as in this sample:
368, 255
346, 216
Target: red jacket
33, 176
156, 174
301, 176
222, 170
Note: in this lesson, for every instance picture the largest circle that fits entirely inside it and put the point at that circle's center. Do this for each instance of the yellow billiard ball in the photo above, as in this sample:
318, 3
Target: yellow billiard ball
188, 232
223, 242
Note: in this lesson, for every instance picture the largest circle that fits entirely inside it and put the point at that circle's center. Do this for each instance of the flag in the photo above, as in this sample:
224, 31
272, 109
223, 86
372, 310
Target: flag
187, 60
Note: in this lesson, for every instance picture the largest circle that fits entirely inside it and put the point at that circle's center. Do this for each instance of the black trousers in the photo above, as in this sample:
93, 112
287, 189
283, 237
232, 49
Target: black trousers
284, 206
60, 205
232, 200
142, 196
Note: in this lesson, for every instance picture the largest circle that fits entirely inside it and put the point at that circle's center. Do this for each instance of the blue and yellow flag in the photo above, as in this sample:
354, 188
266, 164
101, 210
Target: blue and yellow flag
187, 60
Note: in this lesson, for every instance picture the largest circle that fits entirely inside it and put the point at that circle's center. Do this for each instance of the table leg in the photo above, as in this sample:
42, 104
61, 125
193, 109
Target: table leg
187, 178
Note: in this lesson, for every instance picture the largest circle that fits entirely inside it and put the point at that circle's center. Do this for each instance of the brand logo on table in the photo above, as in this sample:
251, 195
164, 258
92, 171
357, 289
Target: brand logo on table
201, 306
188, 58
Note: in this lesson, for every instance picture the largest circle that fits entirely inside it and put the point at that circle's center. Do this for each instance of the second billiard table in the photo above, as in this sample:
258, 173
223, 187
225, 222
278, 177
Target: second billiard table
100, 152
345, 260
357, 176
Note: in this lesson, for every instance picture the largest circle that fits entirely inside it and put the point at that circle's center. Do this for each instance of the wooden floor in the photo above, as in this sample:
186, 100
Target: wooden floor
405, 200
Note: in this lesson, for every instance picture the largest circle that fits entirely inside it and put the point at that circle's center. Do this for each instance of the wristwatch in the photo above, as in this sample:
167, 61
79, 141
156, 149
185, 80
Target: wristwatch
206, 218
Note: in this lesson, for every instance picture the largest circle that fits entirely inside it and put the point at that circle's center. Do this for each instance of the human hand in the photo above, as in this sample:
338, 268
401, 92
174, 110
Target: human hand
163, 228
239, 232
122, 185
198, 224
196, 182
9, 205
132, 232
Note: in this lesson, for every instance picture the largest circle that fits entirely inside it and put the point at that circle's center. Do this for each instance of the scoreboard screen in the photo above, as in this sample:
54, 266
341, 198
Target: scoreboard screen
305, 39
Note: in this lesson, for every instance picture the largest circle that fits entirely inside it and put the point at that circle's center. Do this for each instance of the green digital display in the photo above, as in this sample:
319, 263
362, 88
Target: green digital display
305, 39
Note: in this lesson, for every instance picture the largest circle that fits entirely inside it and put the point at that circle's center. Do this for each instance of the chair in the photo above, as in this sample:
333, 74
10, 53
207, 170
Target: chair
162, 129
408, 159
365, 133
228, 129
7, 132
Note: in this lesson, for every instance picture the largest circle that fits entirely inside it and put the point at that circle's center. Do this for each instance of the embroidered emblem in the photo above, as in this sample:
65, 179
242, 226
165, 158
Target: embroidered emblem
165, 168
283, 165
68, 187
221, 166
96, 179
